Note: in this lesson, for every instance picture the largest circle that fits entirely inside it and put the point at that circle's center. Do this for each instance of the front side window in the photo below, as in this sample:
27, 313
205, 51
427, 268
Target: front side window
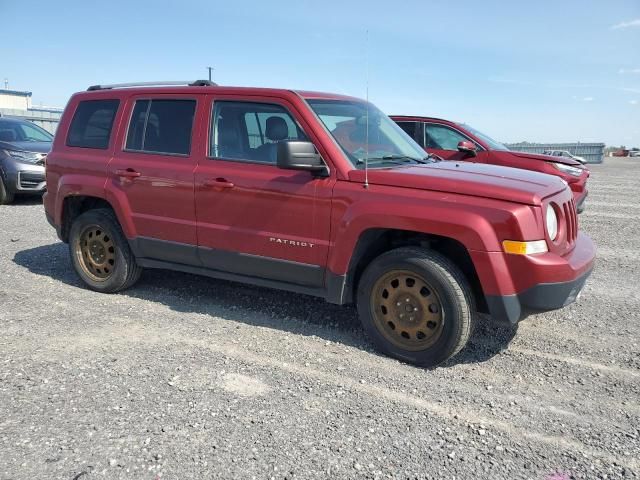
440, 137
161, 126
493, 144
92, 123
251, 131
366, 135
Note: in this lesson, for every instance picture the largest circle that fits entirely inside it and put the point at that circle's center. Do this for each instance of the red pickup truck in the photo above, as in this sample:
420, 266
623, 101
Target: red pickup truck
313, 193
458, 141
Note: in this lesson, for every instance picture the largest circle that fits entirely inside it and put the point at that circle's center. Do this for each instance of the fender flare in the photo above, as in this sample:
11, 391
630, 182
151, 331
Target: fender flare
91, 186
457, 228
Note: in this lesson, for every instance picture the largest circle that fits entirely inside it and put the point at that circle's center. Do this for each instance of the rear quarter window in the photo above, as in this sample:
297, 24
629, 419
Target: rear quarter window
92, 124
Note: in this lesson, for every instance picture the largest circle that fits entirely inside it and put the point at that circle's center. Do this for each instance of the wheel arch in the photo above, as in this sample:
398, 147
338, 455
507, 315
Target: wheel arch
375, 241
78, 194
75, 205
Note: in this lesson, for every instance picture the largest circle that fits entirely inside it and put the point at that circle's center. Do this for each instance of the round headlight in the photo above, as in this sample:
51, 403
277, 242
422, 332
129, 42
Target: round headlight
552, 222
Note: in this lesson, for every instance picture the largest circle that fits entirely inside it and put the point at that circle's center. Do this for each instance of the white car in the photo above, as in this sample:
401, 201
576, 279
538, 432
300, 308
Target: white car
565, 154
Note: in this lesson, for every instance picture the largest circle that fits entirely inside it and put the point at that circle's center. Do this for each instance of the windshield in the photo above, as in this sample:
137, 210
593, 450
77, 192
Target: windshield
12, 131
493, 145
365, 133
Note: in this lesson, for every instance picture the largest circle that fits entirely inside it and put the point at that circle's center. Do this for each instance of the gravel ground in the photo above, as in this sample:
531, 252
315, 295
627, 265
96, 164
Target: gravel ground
189, 377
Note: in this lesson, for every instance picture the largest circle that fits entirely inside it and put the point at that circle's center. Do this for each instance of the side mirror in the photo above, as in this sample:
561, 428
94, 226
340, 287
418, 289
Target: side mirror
467, 147
297, 155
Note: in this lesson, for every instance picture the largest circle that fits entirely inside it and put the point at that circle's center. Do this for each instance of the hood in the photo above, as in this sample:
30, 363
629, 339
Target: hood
39, 147
547, 158
475, 179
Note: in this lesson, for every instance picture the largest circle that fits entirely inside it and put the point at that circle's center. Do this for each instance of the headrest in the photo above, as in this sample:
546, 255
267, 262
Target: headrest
7, 135
277, 129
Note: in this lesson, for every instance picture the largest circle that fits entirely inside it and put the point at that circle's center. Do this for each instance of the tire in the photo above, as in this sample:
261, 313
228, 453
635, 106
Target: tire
430, 293
100, 253
6, 197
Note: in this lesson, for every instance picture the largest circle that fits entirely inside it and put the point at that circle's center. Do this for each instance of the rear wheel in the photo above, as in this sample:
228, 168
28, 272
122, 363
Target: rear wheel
100, 253
6, 196
416, 305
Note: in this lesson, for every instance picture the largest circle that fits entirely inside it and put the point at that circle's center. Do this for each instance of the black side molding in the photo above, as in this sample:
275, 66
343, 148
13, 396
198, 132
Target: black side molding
238, 266
208, 272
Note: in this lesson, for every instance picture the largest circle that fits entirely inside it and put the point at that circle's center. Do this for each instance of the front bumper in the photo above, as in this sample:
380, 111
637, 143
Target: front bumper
535, 283
539, 298
22, 177
579, 190
580, 201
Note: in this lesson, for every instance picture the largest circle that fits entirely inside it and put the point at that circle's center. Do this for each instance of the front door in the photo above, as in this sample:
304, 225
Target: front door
153, 171
253, 218
443, 140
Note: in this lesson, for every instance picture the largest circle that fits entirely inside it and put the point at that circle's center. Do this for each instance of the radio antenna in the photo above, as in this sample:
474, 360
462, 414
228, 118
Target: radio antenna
366, 135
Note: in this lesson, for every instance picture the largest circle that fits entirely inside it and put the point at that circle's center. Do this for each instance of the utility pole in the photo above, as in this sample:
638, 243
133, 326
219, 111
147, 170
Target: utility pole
209, 68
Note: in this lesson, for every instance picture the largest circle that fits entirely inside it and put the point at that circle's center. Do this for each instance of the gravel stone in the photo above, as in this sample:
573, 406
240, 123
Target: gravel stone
188, 377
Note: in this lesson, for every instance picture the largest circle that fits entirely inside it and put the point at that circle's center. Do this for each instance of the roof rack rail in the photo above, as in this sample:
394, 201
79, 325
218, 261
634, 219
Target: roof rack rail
191, 83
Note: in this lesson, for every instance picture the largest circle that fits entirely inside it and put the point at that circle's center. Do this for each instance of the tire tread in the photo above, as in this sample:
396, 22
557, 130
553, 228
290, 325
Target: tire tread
6, 197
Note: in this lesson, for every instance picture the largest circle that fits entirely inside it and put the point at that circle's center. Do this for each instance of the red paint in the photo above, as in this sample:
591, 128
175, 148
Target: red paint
239, 207
506, 158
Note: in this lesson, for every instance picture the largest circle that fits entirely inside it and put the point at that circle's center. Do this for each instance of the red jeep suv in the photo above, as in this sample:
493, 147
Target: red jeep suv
457, 141
313, 193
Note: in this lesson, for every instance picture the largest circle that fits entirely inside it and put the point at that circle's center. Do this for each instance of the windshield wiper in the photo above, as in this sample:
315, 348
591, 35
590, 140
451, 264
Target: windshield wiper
404, 158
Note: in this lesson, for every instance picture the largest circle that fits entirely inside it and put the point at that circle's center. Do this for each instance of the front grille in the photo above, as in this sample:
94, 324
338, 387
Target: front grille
571, 217
30, 181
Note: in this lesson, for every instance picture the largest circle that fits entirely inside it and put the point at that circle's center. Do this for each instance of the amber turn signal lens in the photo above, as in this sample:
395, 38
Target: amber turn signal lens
524, 248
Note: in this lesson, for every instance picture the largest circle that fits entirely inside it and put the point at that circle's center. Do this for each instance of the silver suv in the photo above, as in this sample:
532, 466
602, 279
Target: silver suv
23, 149
565, 154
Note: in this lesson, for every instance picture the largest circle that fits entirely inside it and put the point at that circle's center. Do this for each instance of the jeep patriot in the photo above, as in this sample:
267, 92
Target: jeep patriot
313, 193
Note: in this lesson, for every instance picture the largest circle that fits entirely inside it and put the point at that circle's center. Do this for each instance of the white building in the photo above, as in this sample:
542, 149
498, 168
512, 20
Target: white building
17, 104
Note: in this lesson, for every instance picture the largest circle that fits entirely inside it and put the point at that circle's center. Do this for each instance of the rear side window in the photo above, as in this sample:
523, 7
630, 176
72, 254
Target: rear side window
161, 126
92, 123
414, 130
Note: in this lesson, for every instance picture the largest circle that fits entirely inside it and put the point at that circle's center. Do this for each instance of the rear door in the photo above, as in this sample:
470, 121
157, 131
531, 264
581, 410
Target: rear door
253, 218
153, 170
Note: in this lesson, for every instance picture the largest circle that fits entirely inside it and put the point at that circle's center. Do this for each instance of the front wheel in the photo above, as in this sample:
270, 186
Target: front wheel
6, 197
100, 253
416, 305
